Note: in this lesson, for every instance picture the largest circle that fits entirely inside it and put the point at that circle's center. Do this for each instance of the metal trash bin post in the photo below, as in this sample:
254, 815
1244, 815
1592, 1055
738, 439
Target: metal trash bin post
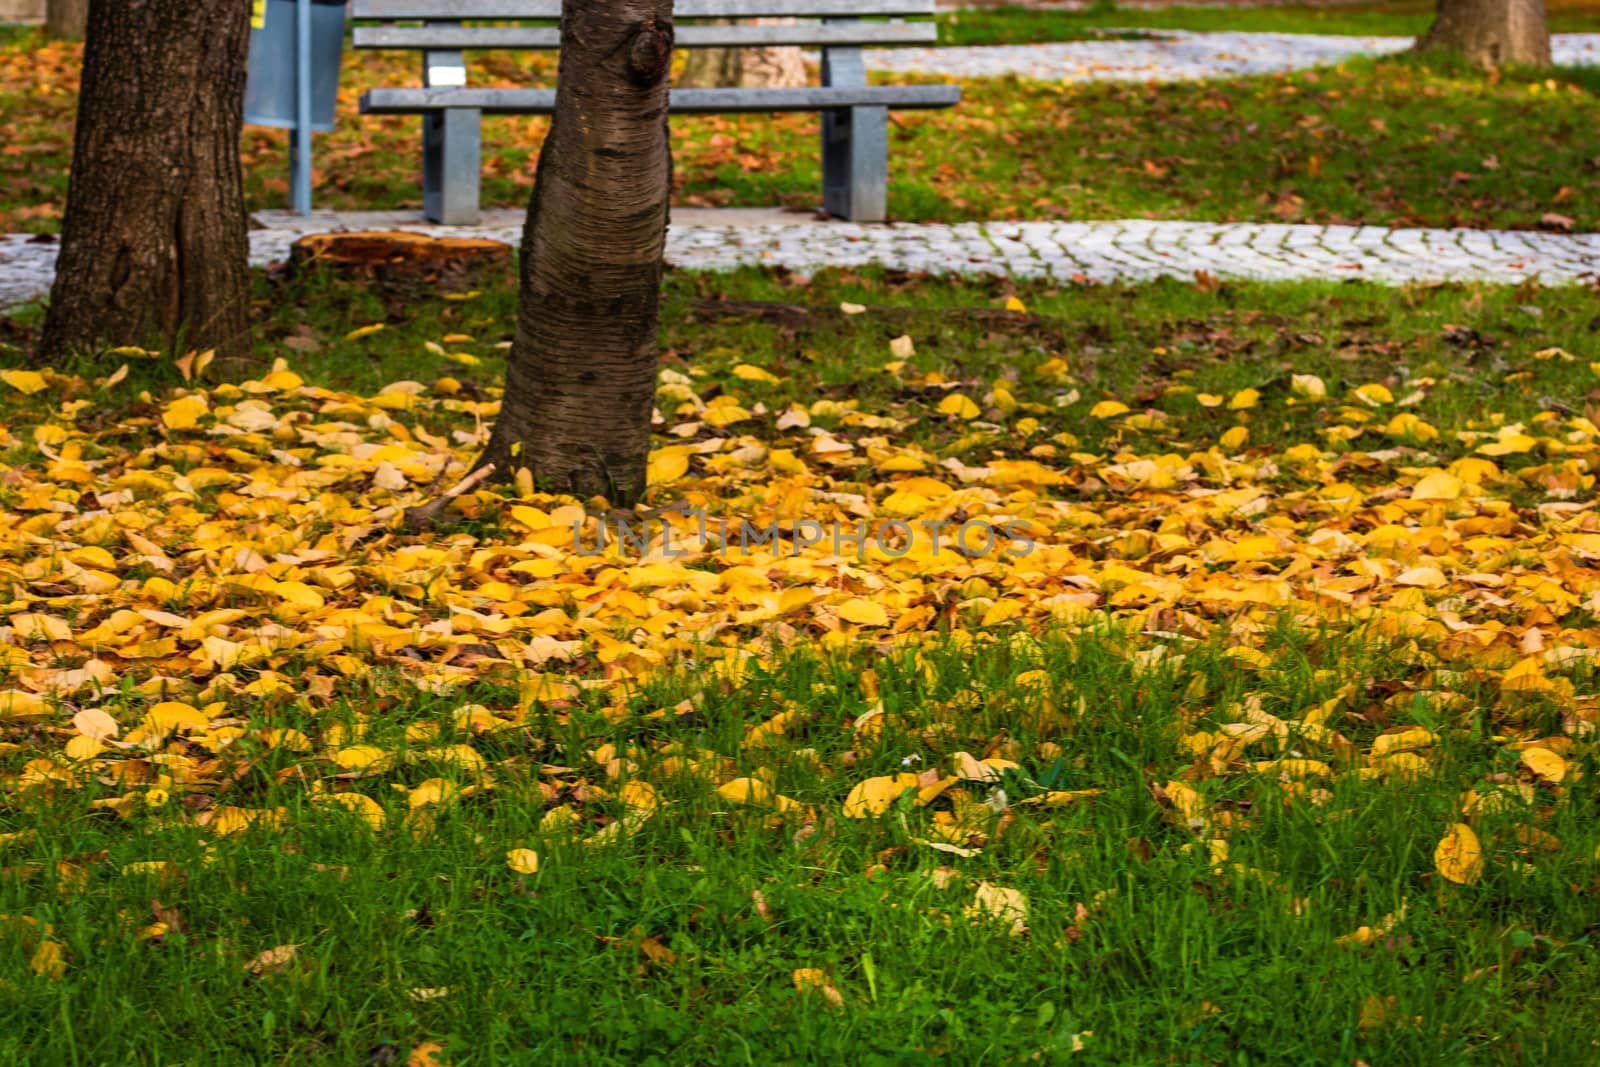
296, 47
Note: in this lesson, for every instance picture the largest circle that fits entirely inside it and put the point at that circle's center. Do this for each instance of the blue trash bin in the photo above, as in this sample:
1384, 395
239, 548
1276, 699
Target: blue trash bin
269, 94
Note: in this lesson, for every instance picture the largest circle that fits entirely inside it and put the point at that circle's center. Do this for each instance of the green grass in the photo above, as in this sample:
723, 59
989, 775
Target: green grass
653, 950
1020, 25
1399, 142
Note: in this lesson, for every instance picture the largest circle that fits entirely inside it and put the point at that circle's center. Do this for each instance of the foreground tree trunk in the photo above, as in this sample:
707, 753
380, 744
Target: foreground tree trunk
153, 246
581, 382
66, 18
1492, 33
744, 68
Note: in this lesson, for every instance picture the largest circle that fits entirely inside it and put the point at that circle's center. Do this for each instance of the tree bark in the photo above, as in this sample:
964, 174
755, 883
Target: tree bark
1491, 33
154, 248
581, 382
66, 18
744, 68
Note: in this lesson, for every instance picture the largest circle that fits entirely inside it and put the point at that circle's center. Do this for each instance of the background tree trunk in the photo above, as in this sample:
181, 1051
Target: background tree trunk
153, 245
744, 68
581, 383
1492, 32
66, 18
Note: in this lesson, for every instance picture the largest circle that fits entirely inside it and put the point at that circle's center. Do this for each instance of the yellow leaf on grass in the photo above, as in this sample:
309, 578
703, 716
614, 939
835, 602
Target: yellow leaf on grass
998, 904
48, 961
24, 381
364, 331
1245, 399
184, 413
92, 722
359, 803
1108, 409
1459, 856
273, 960
814, 981
749, 373
523, 860
875, 795
959, 405
360, 757
1013, 304
1545, 763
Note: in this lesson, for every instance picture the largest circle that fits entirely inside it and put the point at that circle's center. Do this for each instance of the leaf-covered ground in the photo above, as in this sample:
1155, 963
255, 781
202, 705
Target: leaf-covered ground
1392, 143
1276, 746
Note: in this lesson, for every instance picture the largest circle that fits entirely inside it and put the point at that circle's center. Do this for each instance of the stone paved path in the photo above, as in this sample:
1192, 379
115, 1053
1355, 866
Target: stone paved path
1065, 251
1173, 55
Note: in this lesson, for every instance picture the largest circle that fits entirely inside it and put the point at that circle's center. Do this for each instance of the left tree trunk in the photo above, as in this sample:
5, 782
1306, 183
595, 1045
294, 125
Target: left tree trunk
580, 387
154, 247
66, 18
1492, 33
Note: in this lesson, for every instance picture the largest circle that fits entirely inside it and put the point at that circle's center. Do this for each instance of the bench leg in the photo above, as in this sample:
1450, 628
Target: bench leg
855, 163
452, 164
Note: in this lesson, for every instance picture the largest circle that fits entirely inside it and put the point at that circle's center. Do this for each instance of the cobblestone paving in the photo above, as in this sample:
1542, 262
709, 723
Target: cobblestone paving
1064, 251
1172, 55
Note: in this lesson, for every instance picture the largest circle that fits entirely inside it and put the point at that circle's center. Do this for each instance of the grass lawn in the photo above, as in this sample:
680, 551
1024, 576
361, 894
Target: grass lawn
1408, 18
1278, 747
1387, 143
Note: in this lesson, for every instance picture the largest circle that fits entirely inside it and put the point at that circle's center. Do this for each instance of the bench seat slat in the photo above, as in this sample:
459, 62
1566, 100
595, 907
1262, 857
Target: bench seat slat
683, 101
551, 9
458, 38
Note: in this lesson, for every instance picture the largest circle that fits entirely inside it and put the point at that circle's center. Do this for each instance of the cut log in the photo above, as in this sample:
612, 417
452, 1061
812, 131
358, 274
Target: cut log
413, 262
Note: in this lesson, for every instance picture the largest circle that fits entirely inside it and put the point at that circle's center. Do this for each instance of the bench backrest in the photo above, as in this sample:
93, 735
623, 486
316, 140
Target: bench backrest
820, 23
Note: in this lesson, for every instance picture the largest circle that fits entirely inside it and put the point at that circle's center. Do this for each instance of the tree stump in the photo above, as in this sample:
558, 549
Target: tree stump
405, 262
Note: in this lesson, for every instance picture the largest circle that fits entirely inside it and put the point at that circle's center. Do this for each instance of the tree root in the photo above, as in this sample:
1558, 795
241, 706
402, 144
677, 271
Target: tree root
422, 517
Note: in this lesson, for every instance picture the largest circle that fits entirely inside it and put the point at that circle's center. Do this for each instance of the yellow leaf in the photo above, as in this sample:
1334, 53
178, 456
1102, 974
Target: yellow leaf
92, 722
364, 331
360, 757
1437, 486
1234, 438
32, 626
1459, 856
1422, 577
1245, 399
273, 960
960, 406
184, 413
523, 860
1108, 409
1309, 386
997, 904
1013, 304
813, 980
863, 612
875, 795
359, 803
667, 465
1373, 395
749, 373
1545, 763
48, 961
24, 381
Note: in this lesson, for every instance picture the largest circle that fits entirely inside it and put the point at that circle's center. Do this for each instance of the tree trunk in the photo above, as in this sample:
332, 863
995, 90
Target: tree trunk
581, 382
1492, 32
744, 68
154, 247
66, 18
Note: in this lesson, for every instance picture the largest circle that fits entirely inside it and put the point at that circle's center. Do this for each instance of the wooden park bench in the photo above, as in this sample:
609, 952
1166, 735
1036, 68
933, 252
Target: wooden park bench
855, 115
